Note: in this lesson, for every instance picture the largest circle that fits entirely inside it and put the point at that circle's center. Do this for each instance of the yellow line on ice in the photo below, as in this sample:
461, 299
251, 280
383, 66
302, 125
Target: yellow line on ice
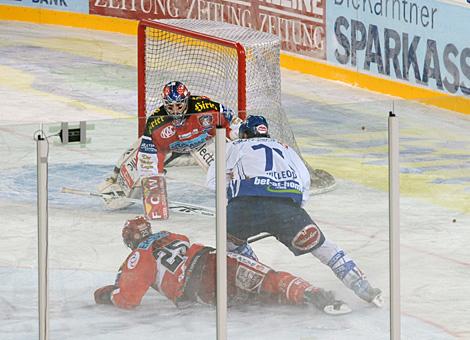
109, 51
417, 185
24, 82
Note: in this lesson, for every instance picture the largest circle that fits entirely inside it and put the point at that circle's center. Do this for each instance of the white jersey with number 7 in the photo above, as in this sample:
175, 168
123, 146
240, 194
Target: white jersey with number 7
263, 167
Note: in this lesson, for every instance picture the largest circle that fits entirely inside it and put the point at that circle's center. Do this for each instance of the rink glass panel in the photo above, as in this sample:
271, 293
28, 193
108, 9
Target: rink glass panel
435, 219
349, 142
18, 240
85, 244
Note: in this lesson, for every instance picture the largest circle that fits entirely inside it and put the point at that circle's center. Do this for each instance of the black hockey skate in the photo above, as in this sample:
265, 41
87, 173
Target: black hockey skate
326, 302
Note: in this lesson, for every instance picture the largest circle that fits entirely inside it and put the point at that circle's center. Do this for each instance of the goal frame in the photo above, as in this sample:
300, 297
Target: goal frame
141, 65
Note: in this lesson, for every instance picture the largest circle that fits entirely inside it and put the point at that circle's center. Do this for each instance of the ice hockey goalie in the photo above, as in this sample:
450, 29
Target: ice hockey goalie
183, 124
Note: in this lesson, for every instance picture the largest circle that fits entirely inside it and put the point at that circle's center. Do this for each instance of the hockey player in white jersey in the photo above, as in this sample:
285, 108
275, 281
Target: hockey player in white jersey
268, 184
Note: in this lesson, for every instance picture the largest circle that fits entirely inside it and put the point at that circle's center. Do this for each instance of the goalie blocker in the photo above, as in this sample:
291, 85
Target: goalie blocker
155, 199
154, 188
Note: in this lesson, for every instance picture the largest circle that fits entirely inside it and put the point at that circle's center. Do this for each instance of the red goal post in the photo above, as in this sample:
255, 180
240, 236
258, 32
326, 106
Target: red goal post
233, 65
172, 30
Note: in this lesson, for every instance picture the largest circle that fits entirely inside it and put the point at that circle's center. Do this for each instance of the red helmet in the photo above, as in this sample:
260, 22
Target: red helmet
135, 231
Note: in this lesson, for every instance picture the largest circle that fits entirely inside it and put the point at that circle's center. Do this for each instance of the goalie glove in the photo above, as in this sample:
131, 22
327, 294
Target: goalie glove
227, 113
114, 197
234, 127
204, 154
103, 186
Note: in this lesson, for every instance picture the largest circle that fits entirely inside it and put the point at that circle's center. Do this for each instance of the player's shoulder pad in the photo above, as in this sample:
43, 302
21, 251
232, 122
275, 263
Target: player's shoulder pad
156, 120
133, 259
152, 238
159, 111
199, 104
199, 98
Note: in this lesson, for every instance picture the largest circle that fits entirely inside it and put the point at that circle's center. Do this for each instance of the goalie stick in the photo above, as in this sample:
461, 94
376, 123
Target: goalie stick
179, 207
174, 206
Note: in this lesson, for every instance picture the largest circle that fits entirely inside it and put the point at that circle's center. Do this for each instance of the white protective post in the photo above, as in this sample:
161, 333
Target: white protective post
221, 233
394, 225
42, 165
82, 127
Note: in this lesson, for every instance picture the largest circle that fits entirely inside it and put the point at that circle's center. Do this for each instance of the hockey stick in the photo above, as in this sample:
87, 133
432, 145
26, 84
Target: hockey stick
180, 207
258, 237
184, 208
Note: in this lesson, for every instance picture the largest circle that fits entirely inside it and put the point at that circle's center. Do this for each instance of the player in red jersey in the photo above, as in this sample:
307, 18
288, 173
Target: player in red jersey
185, 273
181, 124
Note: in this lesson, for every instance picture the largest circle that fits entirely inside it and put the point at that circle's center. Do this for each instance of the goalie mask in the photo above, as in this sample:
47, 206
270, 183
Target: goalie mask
253, 126
175, 100
135, 231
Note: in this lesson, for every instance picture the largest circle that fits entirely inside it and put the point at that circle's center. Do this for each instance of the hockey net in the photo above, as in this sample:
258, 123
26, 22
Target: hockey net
233, 65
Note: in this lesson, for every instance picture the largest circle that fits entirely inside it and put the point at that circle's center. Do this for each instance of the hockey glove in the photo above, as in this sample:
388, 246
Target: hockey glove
227, 113
103, 295
325, 301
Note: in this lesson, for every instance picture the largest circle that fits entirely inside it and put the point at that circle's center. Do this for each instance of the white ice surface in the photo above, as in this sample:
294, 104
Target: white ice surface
50, 74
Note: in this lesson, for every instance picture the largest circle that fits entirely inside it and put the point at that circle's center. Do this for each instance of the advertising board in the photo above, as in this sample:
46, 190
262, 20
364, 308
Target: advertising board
78, 6
300, 24
423, 42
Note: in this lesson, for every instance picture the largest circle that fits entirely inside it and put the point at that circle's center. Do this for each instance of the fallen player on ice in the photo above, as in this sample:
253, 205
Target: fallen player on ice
185, 273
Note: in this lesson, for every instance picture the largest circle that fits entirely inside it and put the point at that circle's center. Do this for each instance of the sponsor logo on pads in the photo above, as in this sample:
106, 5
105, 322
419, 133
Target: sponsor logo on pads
307, 238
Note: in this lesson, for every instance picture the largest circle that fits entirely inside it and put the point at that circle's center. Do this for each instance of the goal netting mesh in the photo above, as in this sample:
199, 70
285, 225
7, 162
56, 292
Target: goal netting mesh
233, 65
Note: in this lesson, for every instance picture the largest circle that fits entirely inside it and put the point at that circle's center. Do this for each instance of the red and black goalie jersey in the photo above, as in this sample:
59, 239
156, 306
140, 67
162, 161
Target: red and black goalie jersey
162, 135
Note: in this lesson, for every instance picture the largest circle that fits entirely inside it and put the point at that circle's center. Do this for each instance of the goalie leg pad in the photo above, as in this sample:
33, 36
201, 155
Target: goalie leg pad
155, 198
125, 173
